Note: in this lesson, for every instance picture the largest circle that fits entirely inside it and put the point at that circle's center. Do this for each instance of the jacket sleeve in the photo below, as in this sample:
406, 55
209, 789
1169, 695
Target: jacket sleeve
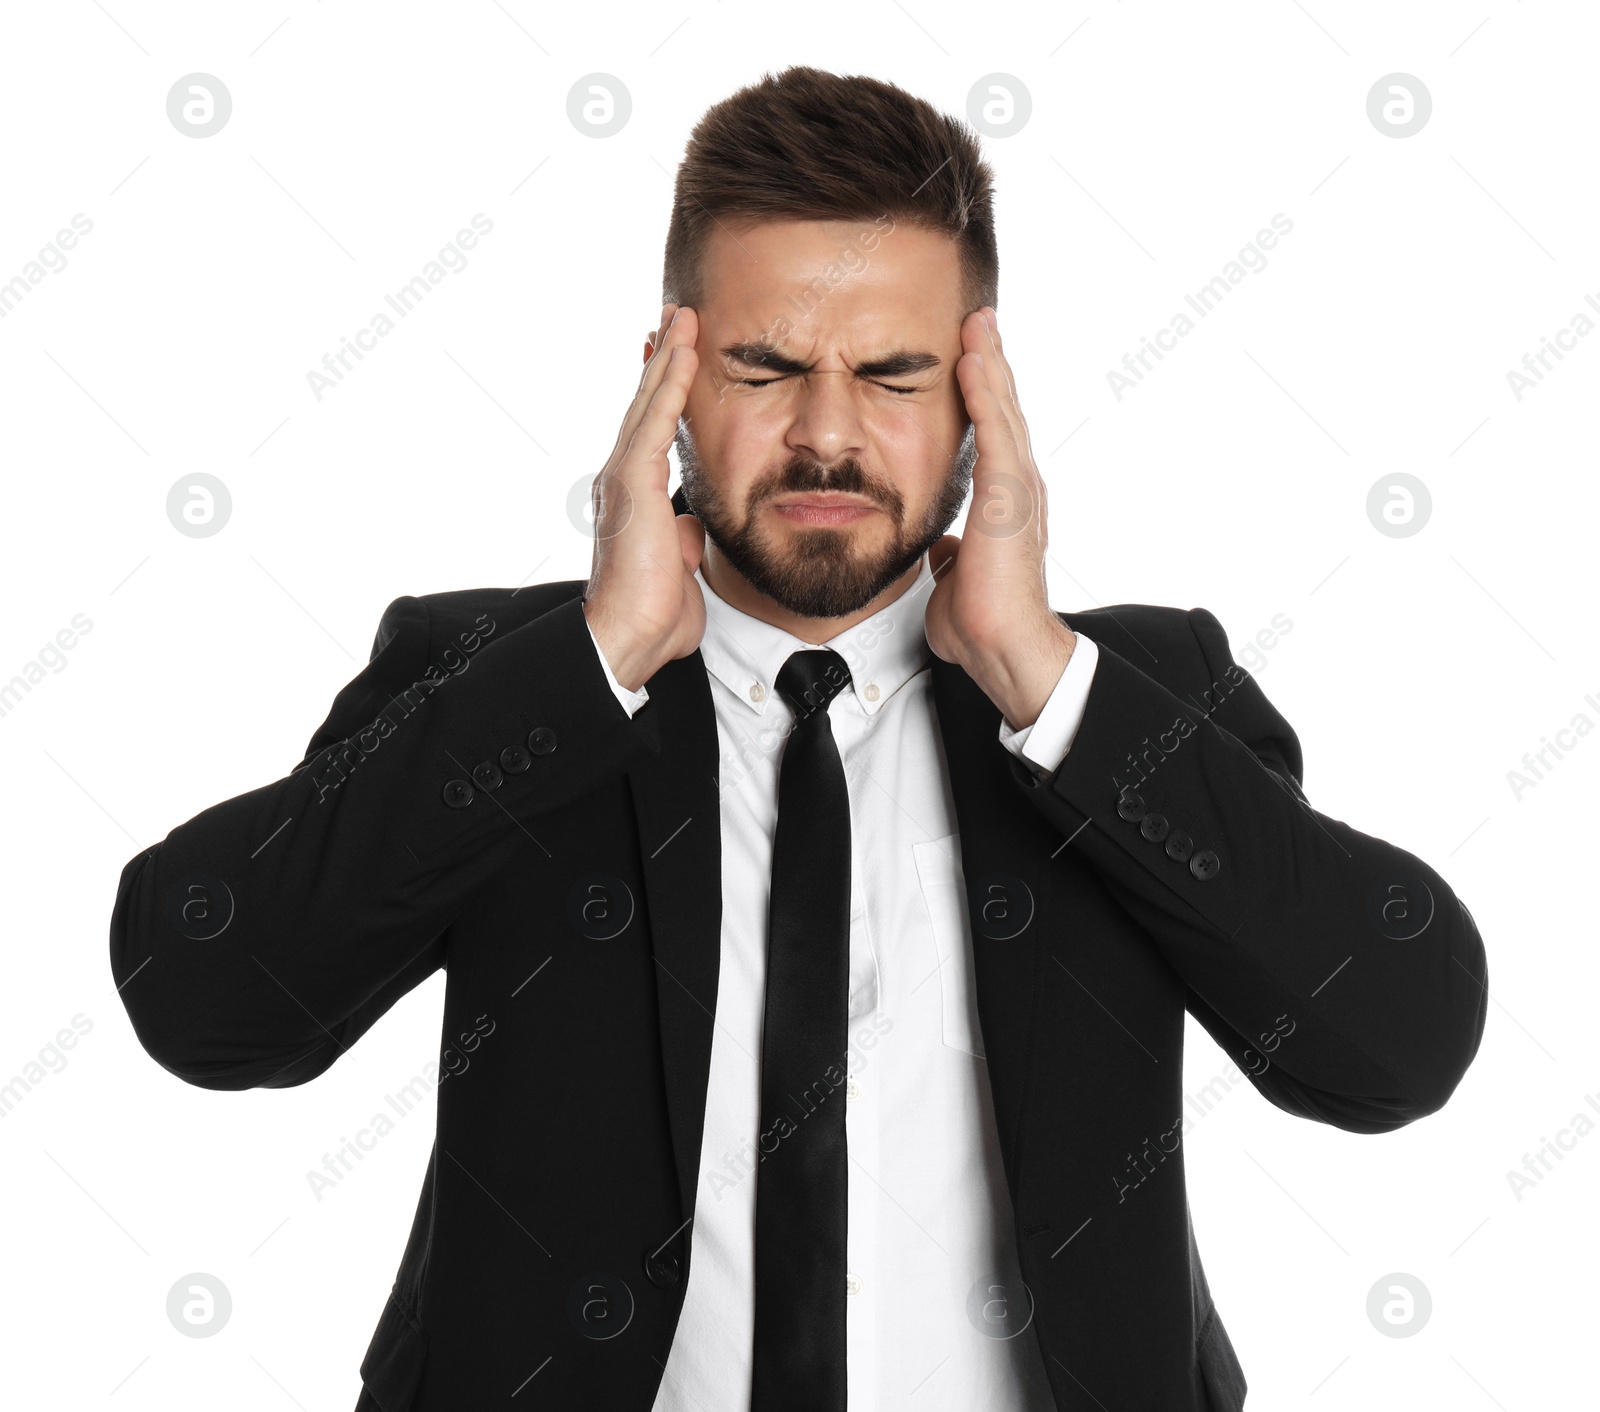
1340, 972
259, 940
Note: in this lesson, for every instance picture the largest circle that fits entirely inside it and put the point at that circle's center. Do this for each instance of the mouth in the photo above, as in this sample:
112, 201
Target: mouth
825, 508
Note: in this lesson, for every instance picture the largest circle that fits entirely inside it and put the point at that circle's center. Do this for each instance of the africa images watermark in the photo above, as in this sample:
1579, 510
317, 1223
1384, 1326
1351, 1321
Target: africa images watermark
455, 1059
1256, 1063
1536, 1167
739, 1164
1565, 340
451, 259
1251, 259
51, 259
1567, 738
51, 655
50, 1061
338, 760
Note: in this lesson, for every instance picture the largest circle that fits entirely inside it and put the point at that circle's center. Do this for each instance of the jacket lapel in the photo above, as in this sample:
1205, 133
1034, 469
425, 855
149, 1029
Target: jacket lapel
1001, 851
677, 811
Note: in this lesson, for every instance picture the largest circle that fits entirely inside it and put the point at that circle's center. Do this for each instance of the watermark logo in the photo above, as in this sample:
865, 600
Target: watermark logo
590, 515
600, 1305
1000, 1307
599, 105
1008, 506
199, 1305
1399, 105
1401, 908
999, 105
599, 906
202, 907
1399, 505
1002, 907
1399, 1305
199, 505
199, 105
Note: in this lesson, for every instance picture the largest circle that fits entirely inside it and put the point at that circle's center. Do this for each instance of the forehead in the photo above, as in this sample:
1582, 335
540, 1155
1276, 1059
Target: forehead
853, 279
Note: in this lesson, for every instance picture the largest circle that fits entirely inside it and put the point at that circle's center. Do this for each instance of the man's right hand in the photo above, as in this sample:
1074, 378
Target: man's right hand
642, 602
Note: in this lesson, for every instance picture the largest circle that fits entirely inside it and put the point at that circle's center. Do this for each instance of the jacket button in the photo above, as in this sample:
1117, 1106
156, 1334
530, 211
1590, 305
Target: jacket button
514, 759
486, 775
1130, 806
458, 794
541, 740
1204, 865
1154, 827
1179, 845
661, 1266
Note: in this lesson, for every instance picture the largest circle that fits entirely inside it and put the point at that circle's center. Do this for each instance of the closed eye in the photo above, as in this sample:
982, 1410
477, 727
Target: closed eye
767, 382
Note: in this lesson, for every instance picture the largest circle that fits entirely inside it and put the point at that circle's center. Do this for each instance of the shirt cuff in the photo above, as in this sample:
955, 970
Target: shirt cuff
630, 701
1044, 744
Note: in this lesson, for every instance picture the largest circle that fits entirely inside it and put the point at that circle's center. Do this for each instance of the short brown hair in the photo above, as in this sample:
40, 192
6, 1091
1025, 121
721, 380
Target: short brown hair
805, 144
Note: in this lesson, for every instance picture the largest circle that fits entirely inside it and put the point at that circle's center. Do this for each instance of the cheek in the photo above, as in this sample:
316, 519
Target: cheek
919, 437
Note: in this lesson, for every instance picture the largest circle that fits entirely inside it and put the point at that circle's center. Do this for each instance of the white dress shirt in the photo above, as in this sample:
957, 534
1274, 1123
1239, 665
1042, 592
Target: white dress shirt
931, 1248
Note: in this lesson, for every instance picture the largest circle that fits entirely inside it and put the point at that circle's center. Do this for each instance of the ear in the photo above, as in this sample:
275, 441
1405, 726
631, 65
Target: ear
649, 344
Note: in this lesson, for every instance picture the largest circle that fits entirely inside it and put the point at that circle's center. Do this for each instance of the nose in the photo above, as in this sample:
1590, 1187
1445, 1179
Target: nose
827, 424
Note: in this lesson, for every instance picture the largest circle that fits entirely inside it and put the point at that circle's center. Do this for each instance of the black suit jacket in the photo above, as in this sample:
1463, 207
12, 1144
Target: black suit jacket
478, 800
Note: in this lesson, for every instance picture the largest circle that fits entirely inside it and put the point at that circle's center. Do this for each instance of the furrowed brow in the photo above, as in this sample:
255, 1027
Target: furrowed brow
900, 363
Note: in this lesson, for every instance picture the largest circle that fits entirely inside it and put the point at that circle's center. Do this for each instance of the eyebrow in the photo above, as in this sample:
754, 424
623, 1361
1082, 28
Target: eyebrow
900, 363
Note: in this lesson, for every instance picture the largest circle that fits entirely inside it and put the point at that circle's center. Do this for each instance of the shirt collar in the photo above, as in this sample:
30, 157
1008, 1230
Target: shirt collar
883, 652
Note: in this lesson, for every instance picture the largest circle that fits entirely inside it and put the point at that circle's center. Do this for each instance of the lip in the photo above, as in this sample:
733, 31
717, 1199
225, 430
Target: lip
825, 509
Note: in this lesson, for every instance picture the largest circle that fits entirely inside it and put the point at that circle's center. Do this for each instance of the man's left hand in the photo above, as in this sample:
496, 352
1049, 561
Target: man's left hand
989, 611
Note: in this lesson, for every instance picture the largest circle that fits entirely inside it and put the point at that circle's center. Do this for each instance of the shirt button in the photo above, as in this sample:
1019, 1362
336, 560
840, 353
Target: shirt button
852, 1089
758, 692
852, 1284
872, 691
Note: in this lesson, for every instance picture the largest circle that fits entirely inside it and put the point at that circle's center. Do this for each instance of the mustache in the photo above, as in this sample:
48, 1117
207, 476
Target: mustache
802, 473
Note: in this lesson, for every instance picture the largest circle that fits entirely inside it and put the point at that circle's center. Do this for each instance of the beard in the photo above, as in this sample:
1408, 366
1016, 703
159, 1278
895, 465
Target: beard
818, 571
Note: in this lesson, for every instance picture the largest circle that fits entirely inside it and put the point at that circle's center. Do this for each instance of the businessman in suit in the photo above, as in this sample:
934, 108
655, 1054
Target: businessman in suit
819, 907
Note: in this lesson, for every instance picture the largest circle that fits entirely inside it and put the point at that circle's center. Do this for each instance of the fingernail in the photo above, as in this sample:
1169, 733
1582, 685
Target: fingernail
675, 314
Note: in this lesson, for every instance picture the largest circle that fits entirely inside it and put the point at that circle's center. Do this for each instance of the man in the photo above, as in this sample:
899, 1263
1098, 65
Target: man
820, 908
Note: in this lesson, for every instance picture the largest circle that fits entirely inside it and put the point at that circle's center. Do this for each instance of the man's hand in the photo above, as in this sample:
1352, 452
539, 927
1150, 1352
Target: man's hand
989, 611
642, 602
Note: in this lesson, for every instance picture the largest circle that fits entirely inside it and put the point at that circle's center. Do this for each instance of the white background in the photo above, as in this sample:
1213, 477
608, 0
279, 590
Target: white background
1417, 672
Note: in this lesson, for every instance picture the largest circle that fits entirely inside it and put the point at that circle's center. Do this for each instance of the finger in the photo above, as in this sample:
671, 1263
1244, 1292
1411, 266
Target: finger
681, 328
1003, 385
691, 543
1004, 482
1030, 466
644, 465
995, 434
655, 339
999, 374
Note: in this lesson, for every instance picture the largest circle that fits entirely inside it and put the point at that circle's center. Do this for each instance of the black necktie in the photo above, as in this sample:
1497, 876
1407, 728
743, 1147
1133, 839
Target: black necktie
802, 1182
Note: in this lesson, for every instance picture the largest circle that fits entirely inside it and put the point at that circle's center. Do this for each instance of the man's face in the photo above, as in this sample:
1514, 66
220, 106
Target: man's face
826, 445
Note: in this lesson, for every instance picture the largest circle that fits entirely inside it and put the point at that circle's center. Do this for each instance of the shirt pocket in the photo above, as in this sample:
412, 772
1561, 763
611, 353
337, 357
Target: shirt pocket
944, 893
